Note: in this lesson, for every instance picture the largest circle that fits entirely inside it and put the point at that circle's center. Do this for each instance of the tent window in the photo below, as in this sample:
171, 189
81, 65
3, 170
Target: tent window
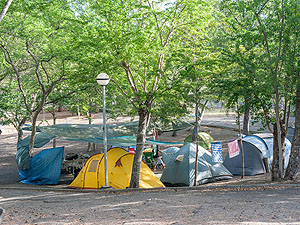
93, 166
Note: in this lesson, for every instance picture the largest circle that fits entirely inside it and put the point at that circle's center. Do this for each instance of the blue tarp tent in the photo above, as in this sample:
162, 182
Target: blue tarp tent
23, 155
45, 167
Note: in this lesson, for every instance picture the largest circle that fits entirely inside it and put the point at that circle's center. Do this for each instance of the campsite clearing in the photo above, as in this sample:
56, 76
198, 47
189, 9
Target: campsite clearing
55, 204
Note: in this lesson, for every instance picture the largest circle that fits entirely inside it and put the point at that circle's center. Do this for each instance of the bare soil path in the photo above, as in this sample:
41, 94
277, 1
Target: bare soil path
188, 206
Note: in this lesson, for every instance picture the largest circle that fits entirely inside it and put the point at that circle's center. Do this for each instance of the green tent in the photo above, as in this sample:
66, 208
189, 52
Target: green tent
204, 140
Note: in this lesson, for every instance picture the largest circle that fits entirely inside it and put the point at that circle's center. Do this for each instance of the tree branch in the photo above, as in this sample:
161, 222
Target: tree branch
267, 120
262, 7
37, 73
130, 79
145, 78
124, 93
265, 39
8, 59
4, 9
280, 41
44, 69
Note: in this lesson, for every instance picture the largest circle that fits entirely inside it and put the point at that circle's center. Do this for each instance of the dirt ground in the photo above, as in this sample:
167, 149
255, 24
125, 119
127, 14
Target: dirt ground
224, 202
9, 137
258, 206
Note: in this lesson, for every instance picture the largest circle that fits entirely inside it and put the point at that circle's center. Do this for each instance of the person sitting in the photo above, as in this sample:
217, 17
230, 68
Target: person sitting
158, 162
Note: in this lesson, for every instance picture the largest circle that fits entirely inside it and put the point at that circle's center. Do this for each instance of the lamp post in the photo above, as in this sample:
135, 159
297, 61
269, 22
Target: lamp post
103, 79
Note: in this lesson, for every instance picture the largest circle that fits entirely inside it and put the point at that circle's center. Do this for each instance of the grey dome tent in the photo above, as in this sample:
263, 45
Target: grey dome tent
256, 148
180, 167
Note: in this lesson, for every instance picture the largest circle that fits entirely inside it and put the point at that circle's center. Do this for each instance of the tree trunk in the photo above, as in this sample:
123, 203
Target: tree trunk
54, 122
174, 134
196, 141
91, 146
198, 119
241, 143
195, 134
20, 134
144, 117
246, 121
19, 129
78, 112
60, 107
33, 132
34, 120
276, 174
294, 162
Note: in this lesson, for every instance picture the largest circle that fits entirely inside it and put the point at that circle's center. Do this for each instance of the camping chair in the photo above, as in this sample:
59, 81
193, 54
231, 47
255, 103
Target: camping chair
149, 160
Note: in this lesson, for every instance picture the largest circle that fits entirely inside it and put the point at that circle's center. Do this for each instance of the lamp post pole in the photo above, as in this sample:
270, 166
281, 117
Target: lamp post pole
104, 135
103, 80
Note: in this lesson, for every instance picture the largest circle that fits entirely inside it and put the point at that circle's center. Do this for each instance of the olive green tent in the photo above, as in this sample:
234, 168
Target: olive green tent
204, 140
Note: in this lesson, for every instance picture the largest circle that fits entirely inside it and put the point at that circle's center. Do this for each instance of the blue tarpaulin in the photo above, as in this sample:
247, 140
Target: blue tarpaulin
45, 167
41, 168
23, 154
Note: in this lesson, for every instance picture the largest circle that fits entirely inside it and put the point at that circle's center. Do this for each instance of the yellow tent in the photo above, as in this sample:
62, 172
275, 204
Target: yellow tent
119, 166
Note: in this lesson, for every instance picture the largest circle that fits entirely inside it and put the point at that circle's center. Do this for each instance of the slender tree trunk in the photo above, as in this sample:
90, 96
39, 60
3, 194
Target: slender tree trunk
60, 107
241, 143
4, 9
19, 129
246, 121
294, 162
202, 114
196, 139
279, 133
34, 120
174, 134
195, 134
91, 146
33, 131
20, 134
199, 119
144, 117
78, 112
276, 174
54, 122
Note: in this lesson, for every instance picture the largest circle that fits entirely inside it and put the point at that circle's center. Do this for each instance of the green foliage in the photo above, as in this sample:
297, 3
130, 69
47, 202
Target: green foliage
12, 109
250, 42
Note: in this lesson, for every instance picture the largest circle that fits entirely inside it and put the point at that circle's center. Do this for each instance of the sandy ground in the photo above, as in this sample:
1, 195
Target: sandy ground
224, 202
221, 206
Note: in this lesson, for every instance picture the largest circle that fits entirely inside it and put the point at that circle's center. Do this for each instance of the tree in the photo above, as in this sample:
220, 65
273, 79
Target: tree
138, 41
32, 47
293, 69
266, 23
